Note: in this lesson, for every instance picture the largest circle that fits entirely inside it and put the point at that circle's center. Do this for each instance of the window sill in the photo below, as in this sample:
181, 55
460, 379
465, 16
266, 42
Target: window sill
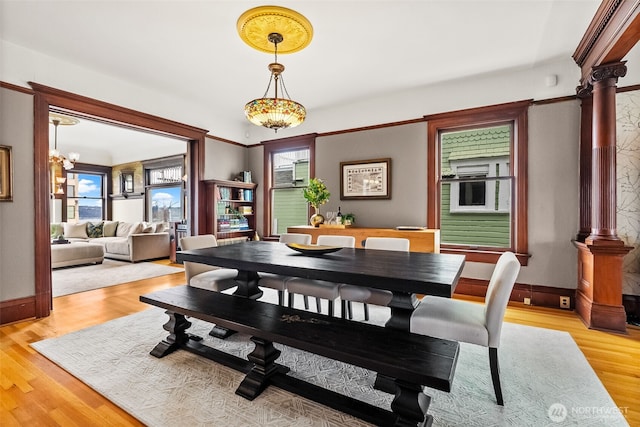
483, 255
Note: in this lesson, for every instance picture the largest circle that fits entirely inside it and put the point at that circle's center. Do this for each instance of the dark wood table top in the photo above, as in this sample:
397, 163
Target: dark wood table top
406, 272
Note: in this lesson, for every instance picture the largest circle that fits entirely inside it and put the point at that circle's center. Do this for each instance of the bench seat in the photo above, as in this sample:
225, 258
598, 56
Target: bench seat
413, 360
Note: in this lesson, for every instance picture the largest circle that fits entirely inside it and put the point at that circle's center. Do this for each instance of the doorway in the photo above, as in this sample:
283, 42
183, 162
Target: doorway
46, 99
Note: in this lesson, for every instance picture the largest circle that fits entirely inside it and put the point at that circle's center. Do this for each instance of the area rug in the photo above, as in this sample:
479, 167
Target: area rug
546, 380
72, 280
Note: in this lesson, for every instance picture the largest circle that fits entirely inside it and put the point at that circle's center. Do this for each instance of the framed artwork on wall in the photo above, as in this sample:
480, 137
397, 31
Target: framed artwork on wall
6, 174
365, 179
126, 182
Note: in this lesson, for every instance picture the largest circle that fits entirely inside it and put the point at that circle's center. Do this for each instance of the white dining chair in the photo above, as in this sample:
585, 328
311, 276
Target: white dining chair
203, 275
278, 281
320, 289
465, 321
381, 297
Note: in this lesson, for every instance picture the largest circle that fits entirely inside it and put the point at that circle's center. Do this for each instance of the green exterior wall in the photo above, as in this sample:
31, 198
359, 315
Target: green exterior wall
291, 207
475, 229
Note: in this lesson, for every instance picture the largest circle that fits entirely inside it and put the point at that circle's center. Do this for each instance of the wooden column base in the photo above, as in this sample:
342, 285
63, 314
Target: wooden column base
599, 292
603, 317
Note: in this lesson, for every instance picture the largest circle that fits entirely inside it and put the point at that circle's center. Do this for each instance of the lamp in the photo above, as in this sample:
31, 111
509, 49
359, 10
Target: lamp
259, 28
275, 113
54, 155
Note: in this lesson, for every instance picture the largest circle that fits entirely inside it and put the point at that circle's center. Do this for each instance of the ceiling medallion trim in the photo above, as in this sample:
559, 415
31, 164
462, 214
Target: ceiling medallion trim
255, 25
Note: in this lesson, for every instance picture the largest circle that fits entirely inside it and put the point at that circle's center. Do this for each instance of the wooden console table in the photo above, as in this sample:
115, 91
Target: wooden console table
426, 240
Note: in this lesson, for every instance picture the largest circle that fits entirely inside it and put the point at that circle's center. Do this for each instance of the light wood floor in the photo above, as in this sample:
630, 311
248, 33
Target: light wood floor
36, 392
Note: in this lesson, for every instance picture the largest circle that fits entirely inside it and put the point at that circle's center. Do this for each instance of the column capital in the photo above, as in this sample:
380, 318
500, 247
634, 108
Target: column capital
612, 70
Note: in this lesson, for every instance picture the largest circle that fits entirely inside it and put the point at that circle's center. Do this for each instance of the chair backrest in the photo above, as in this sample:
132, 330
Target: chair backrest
500, 287
192, 269
387, 243
302, 239
333, 240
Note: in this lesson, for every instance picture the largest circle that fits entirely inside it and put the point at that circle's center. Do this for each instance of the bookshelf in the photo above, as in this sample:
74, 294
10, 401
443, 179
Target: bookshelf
231, 208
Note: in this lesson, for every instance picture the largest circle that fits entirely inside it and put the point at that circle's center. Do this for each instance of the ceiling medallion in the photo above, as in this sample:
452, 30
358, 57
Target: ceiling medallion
255, 25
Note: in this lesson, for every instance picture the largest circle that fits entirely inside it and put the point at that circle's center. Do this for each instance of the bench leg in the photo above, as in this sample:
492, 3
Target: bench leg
410, 405
263, 356
176, 326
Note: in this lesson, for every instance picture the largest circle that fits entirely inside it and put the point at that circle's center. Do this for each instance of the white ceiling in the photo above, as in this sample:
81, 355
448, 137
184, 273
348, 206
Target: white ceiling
191, 50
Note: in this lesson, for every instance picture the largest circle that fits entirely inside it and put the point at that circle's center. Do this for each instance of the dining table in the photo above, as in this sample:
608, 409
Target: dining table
405, 274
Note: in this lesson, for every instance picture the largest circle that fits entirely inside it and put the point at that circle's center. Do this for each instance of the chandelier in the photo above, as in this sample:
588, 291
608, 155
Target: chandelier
55, 158
259, 28
275, 113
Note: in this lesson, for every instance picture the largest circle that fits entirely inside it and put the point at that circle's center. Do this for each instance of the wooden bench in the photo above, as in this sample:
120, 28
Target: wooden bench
413, 360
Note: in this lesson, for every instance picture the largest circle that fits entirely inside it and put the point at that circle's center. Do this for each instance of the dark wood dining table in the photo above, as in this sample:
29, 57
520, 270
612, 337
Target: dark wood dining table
406, 274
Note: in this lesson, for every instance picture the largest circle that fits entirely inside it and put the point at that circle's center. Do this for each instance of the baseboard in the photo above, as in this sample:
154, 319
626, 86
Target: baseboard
542, 296
17, 309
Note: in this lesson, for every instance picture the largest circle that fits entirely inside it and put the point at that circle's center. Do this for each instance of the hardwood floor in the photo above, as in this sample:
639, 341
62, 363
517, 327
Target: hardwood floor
36, 392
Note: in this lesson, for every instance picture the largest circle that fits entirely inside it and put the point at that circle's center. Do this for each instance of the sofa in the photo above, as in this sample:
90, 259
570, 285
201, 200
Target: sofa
127, 241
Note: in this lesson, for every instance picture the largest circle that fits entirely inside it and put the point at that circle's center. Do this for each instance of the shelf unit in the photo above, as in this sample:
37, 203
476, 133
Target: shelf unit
231, 208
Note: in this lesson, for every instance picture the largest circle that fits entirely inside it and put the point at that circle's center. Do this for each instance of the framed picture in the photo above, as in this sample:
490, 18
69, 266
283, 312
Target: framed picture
126, 182
365, 179
6, 174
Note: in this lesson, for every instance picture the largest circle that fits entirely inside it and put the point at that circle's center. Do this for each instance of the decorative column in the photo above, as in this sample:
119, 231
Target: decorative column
599, 293
586, 121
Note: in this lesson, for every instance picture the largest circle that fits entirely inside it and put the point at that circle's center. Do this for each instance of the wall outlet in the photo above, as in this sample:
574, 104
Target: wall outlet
527, 301
565, 302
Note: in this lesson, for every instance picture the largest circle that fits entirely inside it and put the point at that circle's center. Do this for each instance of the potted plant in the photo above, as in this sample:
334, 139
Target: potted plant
348, 219
316, 194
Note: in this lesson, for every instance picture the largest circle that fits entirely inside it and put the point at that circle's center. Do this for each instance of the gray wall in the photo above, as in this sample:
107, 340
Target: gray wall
223, 160
406, 146
17, 275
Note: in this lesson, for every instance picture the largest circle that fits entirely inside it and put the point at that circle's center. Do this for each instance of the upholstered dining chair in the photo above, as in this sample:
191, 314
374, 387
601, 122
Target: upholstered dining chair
320, 289
469, 322
277, 281
353, 293
203, 275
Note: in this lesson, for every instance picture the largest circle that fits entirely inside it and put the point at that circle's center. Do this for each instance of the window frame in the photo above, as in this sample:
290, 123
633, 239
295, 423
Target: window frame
84, 168
276, 146
163, 163
514, 113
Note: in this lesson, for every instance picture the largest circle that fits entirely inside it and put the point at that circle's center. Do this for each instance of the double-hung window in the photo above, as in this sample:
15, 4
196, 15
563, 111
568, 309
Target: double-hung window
477, 181
288, 167
85, 196
165, 192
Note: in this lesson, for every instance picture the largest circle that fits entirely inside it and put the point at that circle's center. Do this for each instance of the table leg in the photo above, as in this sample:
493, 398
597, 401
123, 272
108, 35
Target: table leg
402, 305
247, 288
176, 326
410, 405
263, 356
248, 285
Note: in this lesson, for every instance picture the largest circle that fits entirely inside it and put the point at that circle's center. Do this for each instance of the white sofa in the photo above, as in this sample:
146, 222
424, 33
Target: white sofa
121, 240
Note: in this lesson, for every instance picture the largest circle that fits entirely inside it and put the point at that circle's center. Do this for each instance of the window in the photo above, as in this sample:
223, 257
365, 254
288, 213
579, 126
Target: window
288, 166
165, 190
477, 181
85, 197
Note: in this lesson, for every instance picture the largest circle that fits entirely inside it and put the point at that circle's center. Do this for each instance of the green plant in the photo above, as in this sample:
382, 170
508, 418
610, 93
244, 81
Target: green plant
316, 193
349, 217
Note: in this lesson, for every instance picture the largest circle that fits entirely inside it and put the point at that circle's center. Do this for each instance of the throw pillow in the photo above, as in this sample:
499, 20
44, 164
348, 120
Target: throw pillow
123, 229
56, 230
94, 230
136, 228
109, 228
148, 227
161, 227
78, 231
